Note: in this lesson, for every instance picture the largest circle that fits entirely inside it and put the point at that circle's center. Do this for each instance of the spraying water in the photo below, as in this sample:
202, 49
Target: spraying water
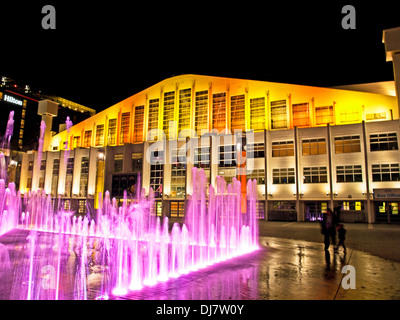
130, 245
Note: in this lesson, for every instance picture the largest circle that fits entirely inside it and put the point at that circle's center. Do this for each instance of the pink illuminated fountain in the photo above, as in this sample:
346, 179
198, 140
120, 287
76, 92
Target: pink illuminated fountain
129, 247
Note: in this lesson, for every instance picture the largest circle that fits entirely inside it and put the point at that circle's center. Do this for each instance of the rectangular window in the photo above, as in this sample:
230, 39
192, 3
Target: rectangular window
313, 146
54, 178
258, 174
257, 114
284, 205
383, 141
347, 144
156, 179
349, 173
219, 111
255, 150
153, 118
87, 142
169, 112
137, 162
100, 135
178, 170
353, 206
324, 115
77, 142
81, 206
41, 183
156, 172
83, 183
112, 132
185, 98
202, 157
227, 156
238, 112
282, 148
349, 116
43, 165
315, 175
56, 166
125, 121
121, 183
69, 177
227, 174
301, 115
118, 162
385, 172
283, 176
201, 113
29, 184
138, 124
278, 114
375, 116
177, 209
70, 165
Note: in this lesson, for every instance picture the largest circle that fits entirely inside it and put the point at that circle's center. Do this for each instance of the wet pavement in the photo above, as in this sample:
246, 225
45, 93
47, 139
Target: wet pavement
282, 269
382, 240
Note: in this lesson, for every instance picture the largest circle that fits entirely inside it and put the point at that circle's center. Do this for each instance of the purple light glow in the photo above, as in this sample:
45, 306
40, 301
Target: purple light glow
129, 245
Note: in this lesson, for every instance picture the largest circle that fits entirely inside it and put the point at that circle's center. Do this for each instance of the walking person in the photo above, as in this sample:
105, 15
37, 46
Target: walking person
328, 229
341, 236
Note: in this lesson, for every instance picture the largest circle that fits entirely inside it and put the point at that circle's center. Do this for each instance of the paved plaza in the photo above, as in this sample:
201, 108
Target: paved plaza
290, 265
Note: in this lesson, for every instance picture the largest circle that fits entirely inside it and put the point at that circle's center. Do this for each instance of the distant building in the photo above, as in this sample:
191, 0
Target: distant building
24, 102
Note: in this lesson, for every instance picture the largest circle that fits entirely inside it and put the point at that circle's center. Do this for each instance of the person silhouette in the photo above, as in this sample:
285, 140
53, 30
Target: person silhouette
328, 229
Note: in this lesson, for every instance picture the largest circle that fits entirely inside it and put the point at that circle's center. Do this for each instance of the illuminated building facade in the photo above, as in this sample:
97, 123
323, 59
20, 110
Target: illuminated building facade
308, 147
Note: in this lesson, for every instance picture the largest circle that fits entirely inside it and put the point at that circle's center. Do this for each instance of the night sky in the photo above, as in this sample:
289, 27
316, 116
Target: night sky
104, 52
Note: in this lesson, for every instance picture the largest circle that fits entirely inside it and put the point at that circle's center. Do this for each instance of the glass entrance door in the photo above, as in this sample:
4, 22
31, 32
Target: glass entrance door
387, 211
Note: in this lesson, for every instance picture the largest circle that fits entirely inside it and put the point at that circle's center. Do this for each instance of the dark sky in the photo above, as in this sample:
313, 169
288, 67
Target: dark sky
106, 51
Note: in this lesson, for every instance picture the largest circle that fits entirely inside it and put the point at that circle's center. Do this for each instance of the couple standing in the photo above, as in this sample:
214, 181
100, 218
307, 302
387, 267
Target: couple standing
329, 225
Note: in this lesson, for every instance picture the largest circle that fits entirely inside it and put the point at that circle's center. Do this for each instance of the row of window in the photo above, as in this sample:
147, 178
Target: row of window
278, 116
343, 144
350, 173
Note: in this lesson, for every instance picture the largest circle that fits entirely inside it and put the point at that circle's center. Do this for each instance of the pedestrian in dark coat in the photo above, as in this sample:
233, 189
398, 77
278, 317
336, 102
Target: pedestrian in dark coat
341, 236
328, 229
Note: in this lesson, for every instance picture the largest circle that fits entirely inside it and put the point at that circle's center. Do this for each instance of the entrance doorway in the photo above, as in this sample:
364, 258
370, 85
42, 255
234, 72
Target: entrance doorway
315, 210
387, 211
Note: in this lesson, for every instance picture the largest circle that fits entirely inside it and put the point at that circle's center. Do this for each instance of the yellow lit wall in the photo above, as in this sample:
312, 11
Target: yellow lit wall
347, 107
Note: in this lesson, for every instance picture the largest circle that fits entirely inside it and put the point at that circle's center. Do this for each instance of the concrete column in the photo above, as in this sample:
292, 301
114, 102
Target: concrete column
47, 109
368, 192
391, 39
266, 174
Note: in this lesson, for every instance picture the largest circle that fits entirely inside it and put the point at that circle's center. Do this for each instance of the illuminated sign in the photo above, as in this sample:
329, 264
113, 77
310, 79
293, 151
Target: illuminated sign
12, 100
386, 194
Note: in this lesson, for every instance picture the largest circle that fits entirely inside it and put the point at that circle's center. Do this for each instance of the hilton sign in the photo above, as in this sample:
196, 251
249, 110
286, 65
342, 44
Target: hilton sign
12, 100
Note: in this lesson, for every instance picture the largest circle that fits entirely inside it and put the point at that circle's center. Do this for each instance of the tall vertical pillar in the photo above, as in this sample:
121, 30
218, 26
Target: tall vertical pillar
47, 109
391, 39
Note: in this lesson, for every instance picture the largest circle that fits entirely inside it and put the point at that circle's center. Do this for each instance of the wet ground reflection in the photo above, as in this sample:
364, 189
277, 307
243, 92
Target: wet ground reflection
281, 269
